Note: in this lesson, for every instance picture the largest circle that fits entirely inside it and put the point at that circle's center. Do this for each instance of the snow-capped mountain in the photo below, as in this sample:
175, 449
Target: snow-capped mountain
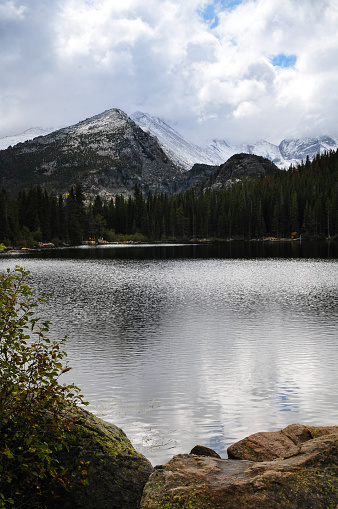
299, 149
30, 134
107, 154
179, 150
218, 151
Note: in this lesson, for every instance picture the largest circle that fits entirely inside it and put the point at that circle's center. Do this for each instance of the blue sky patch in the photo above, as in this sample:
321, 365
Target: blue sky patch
229, 4
282, 60
209, 14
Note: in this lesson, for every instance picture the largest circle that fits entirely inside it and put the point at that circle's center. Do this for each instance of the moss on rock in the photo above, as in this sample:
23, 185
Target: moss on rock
116, 472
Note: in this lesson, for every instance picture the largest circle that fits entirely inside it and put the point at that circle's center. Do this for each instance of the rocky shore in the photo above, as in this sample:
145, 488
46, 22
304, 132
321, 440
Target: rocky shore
296, 467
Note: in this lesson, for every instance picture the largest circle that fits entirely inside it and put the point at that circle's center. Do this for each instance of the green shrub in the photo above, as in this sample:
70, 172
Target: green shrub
33, 404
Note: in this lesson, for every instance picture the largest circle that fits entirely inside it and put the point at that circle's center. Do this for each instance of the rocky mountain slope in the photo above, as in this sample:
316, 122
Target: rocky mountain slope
236, 168
109, 153
179, 150
106, 154
215, 152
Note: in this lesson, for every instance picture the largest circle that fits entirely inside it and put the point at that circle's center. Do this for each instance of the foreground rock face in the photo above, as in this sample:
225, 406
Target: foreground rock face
294, 468
116, 472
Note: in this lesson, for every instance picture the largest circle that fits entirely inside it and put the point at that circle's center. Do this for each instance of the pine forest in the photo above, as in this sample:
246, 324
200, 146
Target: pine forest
302, 201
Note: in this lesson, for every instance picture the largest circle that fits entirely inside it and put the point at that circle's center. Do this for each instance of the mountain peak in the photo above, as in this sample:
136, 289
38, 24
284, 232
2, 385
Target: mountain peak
107, 154
108, 120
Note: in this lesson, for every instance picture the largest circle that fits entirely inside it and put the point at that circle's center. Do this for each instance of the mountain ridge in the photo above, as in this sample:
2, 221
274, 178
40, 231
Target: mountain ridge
217, 151
184, 154
110, 153
107, 154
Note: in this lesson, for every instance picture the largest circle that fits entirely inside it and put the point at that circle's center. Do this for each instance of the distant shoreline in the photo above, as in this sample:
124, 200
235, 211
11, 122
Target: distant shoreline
50, 245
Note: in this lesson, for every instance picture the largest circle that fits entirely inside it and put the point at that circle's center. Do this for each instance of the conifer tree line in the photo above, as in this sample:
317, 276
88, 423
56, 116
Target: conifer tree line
303, 199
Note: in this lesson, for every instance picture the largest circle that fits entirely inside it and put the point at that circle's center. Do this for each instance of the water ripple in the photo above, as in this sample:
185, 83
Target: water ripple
187, 351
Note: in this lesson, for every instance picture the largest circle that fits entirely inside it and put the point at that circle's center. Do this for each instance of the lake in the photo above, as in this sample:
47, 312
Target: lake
196, 344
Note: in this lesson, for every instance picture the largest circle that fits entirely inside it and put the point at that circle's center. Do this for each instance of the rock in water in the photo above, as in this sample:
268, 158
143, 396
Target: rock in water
201, 450
302, 475
116, 472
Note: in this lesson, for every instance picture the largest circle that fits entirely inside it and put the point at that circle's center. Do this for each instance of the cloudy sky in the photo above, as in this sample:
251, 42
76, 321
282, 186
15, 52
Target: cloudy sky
241, 70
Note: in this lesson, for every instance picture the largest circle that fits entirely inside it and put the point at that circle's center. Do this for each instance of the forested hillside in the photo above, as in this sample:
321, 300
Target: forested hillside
303, 199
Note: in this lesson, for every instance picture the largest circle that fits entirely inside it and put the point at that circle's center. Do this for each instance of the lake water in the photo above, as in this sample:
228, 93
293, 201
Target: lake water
187, 345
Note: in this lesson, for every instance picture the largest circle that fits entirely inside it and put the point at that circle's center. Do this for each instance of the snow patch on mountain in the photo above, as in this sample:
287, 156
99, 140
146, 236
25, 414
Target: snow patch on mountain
29, 134
221, 150
297, 149
214, 153
260, 148
108, 121
179, 150
218, 151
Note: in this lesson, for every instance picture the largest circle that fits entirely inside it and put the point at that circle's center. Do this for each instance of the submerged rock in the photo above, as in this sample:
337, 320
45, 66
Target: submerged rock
116, 472
294, 468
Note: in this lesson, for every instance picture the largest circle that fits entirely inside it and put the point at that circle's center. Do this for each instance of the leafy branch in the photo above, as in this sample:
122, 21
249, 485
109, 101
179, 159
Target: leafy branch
35, 422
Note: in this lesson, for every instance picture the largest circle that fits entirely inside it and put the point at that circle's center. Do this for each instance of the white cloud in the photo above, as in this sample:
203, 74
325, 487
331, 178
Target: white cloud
245, 109
64, 61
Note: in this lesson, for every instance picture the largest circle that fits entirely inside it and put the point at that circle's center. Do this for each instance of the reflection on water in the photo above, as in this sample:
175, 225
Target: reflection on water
229, 250
189, 350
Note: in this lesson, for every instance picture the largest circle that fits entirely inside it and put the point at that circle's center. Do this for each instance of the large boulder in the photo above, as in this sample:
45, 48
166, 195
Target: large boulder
297, 469
267, 446
116, 472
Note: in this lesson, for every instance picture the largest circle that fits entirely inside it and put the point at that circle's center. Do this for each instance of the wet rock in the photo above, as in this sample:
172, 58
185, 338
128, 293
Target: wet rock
304, 476
201, 450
